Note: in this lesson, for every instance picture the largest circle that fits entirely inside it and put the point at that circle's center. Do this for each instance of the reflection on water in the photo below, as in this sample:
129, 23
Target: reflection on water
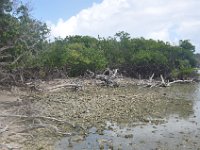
180, 131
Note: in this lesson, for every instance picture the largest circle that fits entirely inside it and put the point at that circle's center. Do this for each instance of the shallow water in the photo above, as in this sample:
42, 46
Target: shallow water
179, 128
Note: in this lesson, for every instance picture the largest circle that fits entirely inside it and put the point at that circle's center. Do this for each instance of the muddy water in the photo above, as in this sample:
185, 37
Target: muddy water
180, 128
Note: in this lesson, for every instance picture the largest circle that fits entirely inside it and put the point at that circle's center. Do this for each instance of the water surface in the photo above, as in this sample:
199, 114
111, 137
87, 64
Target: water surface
179, 127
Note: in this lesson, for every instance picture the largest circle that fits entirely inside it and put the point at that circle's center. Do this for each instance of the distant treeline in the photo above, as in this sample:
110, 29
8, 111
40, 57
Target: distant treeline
24, 45
197, 56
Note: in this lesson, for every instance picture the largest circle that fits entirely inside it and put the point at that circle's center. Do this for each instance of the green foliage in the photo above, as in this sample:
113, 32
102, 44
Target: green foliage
54, 56
80, 61
112, 52
21, 36
197, 58
23, 44
185, 44
183, 73
5, 6
74, 55
133, 55
145, 57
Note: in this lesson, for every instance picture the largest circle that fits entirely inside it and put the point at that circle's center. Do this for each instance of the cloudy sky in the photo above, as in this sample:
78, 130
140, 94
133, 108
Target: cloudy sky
168, 20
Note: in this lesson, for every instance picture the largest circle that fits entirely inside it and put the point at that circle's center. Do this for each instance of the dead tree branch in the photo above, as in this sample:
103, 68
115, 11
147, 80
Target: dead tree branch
179, 81
7, 126
108, 77
151, 78
74, 86
40, 117
2, 49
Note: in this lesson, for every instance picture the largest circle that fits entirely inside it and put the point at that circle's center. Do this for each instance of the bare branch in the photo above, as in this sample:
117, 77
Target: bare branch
16, 60
151, 78
6, 128
42, 117
180, 81
5, 48
74, 86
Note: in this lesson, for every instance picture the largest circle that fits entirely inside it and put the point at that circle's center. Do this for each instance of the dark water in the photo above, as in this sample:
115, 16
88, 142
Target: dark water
180, 129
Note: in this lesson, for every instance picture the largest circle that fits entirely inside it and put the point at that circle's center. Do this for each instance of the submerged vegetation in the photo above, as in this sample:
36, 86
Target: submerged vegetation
26, 51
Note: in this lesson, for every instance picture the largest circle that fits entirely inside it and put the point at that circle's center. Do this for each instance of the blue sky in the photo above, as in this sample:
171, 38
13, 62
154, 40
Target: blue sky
53, 10
167, 20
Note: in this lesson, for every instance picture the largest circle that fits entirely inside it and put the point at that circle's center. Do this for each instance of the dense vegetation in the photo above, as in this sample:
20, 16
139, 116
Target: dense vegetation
24, 47
197, 56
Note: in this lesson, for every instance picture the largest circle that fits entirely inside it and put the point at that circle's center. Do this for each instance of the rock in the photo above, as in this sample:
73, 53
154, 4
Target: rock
110, 145
129, 136
77, 138
101, 143
120, 147
70, 143
110, 128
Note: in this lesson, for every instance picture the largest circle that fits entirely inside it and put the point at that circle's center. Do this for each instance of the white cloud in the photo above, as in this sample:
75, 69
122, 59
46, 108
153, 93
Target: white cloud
167, 20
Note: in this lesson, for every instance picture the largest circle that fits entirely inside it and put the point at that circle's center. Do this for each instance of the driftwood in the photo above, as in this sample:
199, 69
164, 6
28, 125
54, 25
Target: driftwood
165, 84
36, 117
9, 147
150, 83
180, 81
66, 85
45, 118
6, 128
114, 74
39, 126
162, 80
48, 126
108, 77
89, 74
151, 78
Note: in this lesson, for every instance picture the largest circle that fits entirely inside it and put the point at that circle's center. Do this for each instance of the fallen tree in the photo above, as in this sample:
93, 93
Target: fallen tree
108, 77
150, 83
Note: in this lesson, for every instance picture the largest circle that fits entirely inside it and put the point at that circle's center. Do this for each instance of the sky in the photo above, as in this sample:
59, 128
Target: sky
168, 20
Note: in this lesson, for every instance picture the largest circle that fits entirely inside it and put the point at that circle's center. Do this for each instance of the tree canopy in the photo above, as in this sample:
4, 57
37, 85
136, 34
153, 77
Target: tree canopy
23, 44
20, 35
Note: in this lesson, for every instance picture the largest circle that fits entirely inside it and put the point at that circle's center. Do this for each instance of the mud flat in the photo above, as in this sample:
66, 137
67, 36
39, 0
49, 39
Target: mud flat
131, 117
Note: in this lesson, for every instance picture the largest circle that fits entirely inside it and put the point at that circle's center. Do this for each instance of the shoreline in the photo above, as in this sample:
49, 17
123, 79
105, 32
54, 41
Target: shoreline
71, 112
